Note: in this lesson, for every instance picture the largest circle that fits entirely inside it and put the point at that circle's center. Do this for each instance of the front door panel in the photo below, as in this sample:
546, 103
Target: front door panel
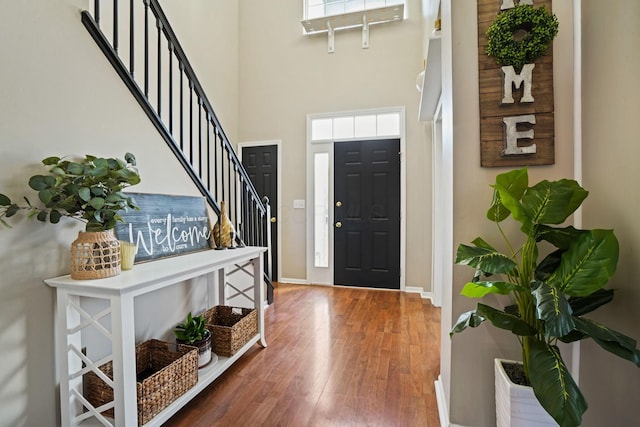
367, 213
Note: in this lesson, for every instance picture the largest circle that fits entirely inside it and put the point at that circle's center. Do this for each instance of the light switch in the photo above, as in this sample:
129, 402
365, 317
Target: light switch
298, 204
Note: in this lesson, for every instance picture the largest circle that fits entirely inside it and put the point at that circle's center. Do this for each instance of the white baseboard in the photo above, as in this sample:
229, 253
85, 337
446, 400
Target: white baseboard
417, 290
408, 289
293, 281
441, 399
443, 407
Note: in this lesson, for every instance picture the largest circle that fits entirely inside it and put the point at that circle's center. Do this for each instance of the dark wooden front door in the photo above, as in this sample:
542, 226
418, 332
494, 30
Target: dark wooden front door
261, 164
367, 213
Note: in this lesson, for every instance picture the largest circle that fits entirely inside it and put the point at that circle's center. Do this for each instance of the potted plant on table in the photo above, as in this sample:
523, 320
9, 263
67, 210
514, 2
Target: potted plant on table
193, 331
551, 292
88, 190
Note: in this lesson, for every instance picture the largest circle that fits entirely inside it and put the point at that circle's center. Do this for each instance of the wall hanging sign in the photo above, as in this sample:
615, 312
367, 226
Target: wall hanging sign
165, 225
515, 64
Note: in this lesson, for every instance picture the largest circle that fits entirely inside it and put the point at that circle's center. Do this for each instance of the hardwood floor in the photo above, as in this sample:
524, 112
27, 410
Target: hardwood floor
335, 357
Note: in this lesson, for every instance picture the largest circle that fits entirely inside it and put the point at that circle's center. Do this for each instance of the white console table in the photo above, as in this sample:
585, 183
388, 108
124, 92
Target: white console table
120, 291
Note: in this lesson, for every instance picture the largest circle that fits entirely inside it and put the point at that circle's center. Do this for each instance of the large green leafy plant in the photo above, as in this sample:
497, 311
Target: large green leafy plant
88, 189
553, 292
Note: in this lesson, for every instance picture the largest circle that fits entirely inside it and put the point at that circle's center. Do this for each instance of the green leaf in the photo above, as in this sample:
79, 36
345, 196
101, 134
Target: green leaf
38, 182
588, 264
94, 226
480, 289
50, 181
75, 168
115, 164
469, 319
561, 238
11, 210
54, 216
512, 203
99, 172
513, 310
4, 200
57, 171
51, 161
487, 260
584, 305
548, 265
96, 202
46, 195
553, 309
502, 320
101, 163
42, 216
614, 342
481, 243
84, 193
113, 198
515, 183
110, 223
552, 202
130, 158
572, 337
134, 179
553, 385
98, 191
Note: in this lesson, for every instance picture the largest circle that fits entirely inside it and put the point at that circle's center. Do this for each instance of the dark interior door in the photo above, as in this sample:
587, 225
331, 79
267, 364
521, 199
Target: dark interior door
261, 163
367, 213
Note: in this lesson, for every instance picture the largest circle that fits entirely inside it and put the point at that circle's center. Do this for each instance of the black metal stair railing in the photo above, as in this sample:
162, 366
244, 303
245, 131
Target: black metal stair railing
148, 57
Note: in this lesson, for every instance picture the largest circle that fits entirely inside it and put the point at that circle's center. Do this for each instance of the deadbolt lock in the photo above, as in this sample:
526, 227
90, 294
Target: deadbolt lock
338, 203
338, 224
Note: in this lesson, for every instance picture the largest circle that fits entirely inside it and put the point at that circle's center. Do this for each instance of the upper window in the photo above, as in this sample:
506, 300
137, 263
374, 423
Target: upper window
355, 126
321, 8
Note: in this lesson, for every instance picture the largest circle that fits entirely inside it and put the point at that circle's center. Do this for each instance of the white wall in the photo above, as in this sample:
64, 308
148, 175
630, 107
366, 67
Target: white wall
611, 108
208, 32
58, 96
285, 75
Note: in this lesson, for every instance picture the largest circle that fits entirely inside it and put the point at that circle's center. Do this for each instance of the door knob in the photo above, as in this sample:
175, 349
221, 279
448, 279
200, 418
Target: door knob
273, 219
338, 224
338, 203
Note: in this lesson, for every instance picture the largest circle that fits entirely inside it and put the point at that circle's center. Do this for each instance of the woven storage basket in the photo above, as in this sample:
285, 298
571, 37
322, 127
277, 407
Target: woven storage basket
231, 328
169, 370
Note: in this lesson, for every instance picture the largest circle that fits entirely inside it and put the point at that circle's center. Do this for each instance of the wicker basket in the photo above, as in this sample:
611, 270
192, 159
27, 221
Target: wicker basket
165, 372
231, 328
95, 255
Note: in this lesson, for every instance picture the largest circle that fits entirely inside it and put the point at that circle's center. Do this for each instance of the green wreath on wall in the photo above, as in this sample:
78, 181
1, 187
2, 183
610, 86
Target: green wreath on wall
520, 35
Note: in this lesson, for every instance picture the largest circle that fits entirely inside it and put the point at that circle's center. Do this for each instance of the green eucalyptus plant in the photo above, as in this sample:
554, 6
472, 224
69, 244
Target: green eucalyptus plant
552, 293
192, 330
89, 190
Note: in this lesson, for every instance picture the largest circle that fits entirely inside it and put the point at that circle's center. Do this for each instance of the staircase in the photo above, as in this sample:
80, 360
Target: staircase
138, 41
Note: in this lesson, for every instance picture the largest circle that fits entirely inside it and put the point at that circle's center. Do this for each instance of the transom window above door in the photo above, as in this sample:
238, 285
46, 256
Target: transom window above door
355, 126
322, 8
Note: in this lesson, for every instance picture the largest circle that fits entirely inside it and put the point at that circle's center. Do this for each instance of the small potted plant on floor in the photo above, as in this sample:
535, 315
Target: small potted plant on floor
193, 331
555, 278
88, 190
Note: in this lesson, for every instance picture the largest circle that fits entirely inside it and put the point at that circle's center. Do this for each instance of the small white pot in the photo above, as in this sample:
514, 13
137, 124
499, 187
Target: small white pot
516, 405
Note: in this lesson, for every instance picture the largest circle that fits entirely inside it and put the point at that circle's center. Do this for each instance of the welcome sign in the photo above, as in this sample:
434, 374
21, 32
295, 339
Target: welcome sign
165, 225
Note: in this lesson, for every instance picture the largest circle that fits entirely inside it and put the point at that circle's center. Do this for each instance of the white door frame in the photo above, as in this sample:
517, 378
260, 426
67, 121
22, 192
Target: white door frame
278, 144
321, 275
440, 262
